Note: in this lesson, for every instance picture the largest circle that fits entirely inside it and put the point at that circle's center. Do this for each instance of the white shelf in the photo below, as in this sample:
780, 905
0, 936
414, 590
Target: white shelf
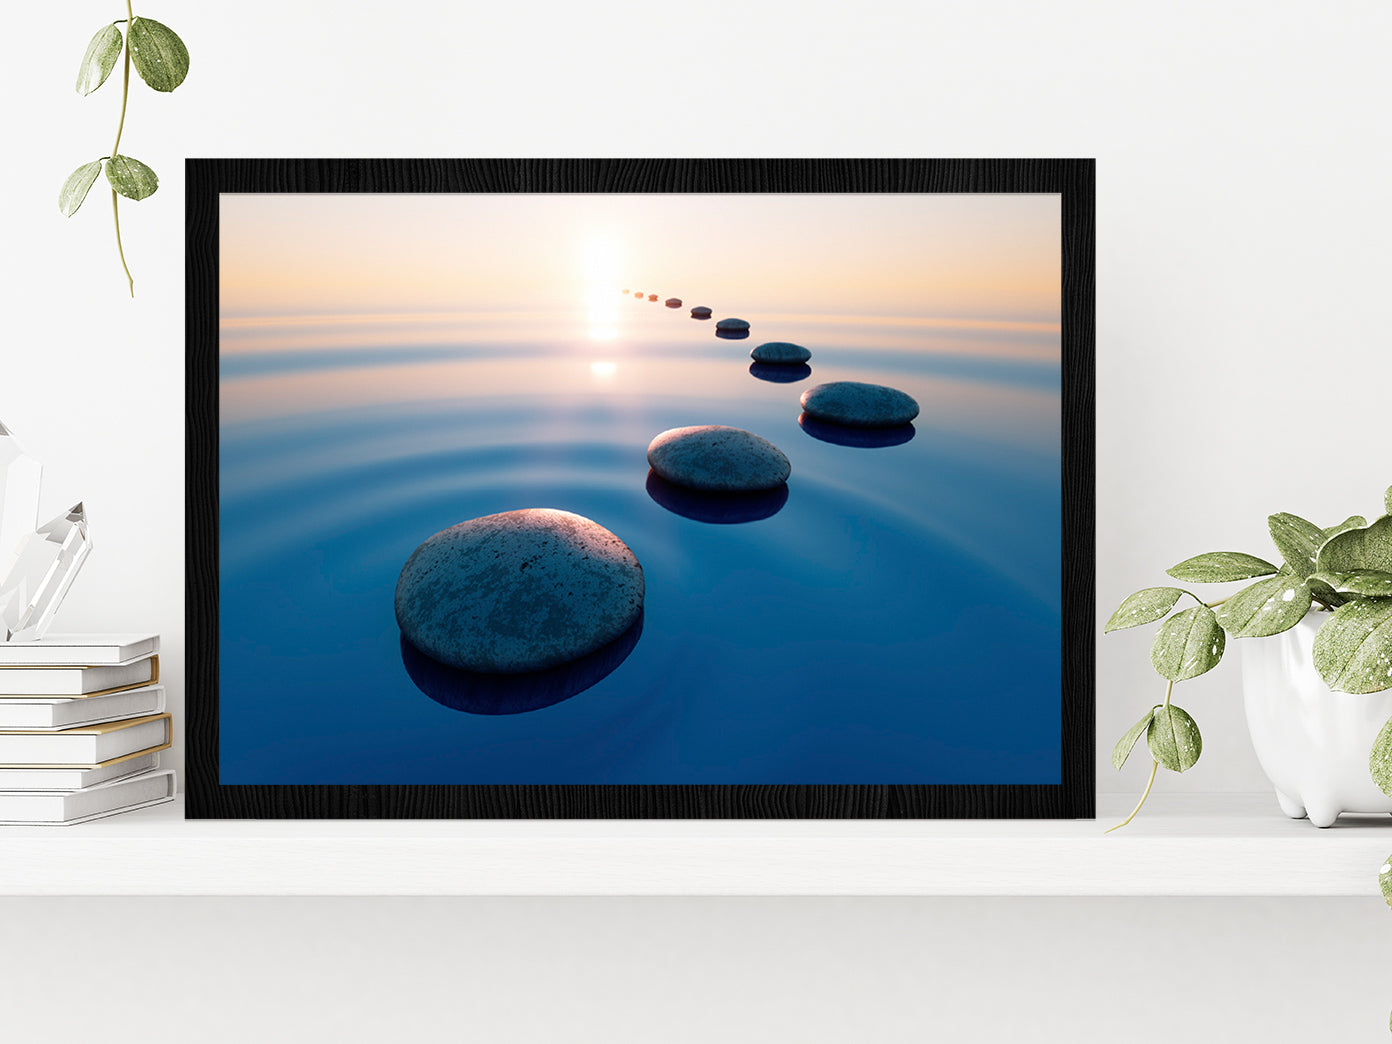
1234, 845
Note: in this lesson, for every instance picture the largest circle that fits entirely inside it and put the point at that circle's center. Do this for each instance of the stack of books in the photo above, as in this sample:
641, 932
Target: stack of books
82, 723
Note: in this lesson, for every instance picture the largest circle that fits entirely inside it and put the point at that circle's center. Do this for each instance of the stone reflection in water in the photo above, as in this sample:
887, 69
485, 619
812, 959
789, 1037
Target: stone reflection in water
863, 438
780, 373
477, 693
716, 508
732, 335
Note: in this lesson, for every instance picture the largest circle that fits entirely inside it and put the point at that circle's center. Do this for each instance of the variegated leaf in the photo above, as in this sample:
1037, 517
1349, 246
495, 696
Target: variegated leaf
1353, 650
1188, 644
1217, 567
1143, 607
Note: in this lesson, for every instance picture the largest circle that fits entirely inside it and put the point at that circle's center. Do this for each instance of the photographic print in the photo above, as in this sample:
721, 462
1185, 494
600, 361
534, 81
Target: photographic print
732, 503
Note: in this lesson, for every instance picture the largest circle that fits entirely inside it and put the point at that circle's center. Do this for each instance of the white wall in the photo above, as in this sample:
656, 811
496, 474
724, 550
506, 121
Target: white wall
1242, 362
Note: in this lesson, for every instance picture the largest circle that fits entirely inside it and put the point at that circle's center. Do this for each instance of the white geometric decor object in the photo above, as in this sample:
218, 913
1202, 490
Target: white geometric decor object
40, 574
20, 475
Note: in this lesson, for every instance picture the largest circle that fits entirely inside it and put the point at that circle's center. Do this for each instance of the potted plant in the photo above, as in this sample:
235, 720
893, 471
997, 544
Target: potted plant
1318, 690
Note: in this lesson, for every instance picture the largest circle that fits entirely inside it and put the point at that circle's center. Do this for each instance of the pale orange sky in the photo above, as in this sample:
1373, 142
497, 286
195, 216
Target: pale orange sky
990, 257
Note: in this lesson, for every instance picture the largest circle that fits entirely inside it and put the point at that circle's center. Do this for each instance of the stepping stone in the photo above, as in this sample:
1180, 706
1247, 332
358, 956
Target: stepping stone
519, 591
700, 312
673, 302
731, 325
780, 353
719, 458
652, 297
859, 405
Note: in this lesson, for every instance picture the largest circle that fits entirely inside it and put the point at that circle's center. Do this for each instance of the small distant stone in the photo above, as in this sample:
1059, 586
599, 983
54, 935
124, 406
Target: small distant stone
673, 302
732, 324
719, 458
623, 291
700, 312
859, 405
652, 297
638, 293
518, 592
781, 353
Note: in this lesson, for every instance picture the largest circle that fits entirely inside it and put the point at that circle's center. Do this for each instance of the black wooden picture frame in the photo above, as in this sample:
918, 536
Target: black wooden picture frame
1072, 179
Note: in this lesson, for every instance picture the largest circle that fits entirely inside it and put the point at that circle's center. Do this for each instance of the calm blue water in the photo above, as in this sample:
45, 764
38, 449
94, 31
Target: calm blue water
896, 620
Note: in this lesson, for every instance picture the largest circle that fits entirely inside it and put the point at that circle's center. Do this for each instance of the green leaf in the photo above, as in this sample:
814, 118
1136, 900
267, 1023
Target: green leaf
99, 60
1122, 750
1368, 583
1187, 644
74, 190
1143, 607
1385, 879
1367, 548
1380, 765
158, 54
1352, 522
1353, 650
1267, 607
1387, 500
1218, 567
1297, 540
1320, 588
1173, 739
130, 177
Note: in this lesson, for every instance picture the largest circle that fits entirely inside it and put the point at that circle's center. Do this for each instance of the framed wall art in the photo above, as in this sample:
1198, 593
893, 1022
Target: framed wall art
640, 488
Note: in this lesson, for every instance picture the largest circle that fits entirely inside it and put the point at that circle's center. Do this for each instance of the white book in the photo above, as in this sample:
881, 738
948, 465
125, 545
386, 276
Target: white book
51, 777
50, 714
79, 650
77, 681
63, 808
89, 745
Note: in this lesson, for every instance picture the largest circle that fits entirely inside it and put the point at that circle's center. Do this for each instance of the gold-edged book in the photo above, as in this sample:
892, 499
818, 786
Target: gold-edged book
77, 682
88, 746
63, 777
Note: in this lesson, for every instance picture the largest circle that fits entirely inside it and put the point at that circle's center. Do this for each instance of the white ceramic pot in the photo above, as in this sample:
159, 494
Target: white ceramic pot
1312, 742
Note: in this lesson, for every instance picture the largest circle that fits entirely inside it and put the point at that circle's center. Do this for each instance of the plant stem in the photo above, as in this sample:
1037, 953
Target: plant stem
115, 213
1154, 767
125, 94
1206, 605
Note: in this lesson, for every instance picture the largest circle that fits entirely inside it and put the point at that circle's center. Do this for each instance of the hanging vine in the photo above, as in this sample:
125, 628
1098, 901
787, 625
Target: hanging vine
162, 61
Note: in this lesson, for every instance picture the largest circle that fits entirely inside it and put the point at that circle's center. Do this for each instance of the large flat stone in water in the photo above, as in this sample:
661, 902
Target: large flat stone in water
859, 405
714, 457
520, 591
